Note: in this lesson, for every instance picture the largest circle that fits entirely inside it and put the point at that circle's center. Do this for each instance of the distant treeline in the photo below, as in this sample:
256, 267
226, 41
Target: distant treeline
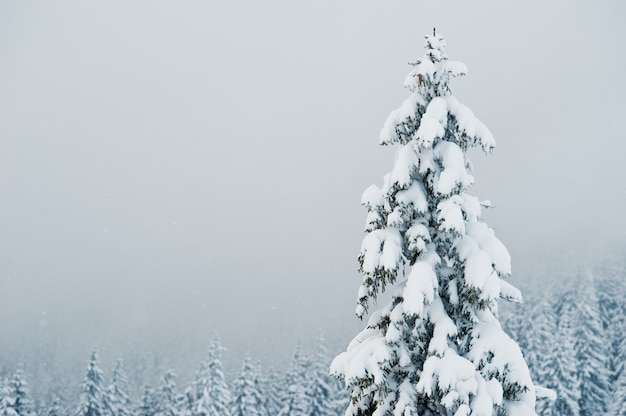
305, 389
572, 331
571, 328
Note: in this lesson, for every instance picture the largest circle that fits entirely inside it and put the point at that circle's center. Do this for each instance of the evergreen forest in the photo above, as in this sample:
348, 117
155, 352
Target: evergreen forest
571, 329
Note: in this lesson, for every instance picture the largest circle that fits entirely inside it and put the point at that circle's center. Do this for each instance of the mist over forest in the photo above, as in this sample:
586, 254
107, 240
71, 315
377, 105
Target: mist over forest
176, 171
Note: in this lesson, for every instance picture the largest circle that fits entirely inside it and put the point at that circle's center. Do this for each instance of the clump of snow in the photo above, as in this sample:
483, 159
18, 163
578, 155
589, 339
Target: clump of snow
381, 249
420, 286
453, 174
433, 123
450, 216
444, 327
395, 128
454, 68
450, 372
510, 292
417, 237
487, 241
544, 393
405, 164
414, 195
363, 357
372, 197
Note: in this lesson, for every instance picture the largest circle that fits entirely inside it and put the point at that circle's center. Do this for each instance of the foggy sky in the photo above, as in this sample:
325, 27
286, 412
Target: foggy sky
169, 169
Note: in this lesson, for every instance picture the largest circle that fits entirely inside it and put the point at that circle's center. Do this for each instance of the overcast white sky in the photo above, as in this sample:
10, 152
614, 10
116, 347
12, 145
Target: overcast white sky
173, 168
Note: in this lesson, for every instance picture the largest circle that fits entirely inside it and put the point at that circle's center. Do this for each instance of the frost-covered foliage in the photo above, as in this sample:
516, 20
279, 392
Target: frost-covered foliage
92, 399
248, 399
437, 348
212, 396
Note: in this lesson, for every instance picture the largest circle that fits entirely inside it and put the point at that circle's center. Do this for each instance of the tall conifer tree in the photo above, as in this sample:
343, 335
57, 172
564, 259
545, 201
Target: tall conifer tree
295, 400
117, 399
92, 400
248, 398
592, 346
169, 402
212, 396
437, 348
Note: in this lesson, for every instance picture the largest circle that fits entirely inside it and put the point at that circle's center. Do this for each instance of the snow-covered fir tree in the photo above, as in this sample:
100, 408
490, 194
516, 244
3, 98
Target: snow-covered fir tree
7, 401
148, 404
295, 400
272, 386
212, 396
56, 409
618, 406
540, 346
19, 394
117, 398
561, 372
248, 399
592, 351
323, 390
169, 402
437, 348
92, 397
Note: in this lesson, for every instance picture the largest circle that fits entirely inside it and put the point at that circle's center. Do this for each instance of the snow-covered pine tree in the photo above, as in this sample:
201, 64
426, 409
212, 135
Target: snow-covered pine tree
92, 401
7, 401
610, 288
169, 403
117, 399
561, 370
295, 401
592, 350
18, 390
322, 389
248, 398
56, 409
148, 404
541, 340
618, 407
271, 383
437, 348
212, 396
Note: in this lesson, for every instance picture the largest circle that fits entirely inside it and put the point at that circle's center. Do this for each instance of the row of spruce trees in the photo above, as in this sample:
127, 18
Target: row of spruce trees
573, 339
306, 389
572, 334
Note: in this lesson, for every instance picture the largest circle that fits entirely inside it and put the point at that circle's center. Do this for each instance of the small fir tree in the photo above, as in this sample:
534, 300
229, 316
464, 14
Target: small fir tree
272, 387
117, 399
7, 399
619, 386
212, 396
169, 403
562, 368
295, 400
18, 390
592, 351
322, 389
92, 400
148, 404
437, 348
248, 398
56, 409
